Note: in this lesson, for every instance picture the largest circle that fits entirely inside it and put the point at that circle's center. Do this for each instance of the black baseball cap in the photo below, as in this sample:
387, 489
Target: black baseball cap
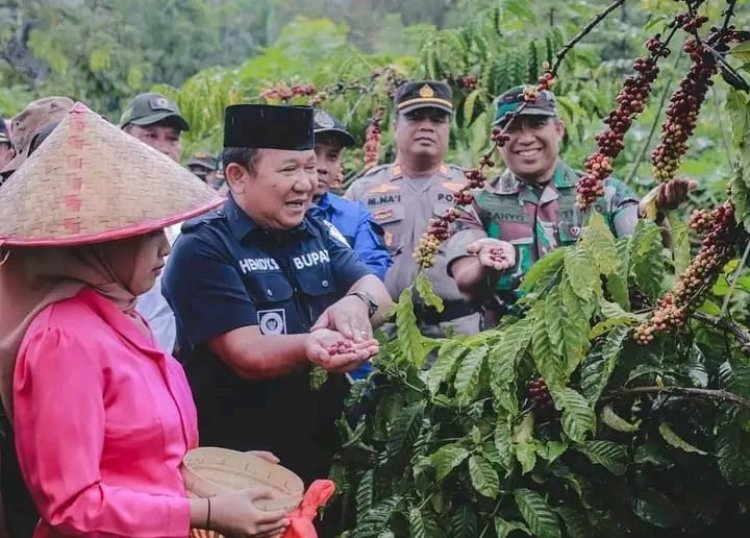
150, 108
204, 160
324, 123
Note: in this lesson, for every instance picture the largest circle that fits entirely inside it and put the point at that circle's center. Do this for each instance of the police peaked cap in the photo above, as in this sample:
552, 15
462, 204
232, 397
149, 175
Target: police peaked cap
269, 126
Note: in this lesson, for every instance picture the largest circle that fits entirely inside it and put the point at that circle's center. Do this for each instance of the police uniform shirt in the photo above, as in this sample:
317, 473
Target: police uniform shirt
226, 272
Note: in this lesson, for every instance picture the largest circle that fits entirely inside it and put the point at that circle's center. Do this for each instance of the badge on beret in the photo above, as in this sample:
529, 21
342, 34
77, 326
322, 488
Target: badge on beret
426, 92
323, 119
575, 231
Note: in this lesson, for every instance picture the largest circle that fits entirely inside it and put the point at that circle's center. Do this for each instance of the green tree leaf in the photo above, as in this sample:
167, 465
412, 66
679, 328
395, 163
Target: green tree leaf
733, 450
578, 419
540, 518
576, 325
575, 522
467, 376
543, 270
647, 258
464, 522
405, 429
424, 287
553, 317
504, 438
416, 524
365, 492
503, 362
579, 269
526, 456
615, 421
599, 243
656, 509
669, 435
409, 337
503, 528
547, 361
611, 455
444, 366
598, 368
483, 476
448, 458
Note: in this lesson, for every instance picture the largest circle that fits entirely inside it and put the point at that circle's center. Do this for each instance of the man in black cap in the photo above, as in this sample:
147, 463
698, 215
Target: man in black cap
6, 148
403, 197
262, 293
204, 165
156, 121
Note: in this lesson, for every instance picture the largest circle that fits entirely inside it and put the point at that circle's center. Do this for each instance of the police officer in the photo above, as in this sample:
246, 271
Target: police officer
530, 209
261, 291
403, 196
204, 165
6, 148
156, 121
352, 219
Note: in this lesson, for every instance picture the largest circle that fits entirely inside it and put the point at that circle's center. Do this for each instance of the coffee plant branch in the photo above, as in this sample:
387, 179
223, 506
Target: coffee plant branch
728, 14
560, 56
706, 394
726, 324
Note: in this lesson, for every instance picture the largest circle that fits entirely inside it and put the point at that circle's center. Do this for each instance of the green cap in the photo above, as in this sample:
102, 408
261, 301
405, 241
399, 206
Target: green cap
509, 102
150, 108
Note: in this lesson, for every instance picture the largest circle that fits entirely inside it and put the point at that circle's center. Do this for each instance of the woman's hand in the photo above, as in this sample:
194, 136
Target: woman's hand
235, 515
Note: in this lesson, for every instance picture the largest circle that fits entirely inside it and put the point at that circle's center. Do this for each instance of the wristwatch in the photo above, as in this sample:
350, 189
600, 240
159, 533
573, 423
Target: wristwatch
368, 299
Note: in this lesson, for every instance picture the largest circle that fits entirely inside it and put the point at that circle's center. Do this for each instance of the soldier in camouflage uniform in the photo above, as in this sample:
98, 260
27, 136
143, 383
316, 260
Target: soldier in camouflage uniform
530, 209
403, 197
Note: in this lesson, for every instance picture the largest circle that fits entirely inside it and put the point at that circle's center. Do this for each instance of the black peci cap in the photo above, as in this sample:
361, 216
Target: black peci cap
269, 126
423, 94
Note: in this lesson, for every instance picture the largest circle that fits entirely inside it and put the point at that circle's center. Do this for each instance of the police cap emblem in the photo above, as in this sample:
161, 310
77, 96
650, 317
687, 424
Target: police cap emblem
323, 120
426, 92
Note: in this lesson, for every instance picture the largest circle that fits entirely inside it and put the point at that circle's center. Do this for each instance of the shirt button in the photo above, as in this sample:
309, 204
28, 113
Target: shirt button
325, 283
269, 292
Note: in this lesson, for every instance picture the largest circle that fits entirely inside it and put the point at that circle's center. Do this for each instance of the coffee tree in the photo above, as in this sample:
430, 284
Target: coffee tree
615, 400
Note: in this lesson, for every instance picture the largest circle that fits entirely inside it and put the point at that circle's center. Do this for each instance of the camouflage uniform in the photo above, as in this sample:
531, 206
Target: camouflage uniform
403, 206
535, 221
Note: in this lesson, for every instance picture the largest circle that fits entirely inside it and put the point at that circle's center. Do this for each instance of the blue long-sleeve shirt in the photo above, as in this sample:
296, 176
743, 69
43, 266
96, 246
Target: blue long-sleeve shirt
356, 224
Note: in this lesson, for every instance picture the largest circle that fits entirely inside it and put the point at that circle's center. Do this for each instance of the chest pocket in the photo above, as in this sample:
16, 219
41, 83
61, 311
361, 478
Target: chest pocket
390, 218
269, 288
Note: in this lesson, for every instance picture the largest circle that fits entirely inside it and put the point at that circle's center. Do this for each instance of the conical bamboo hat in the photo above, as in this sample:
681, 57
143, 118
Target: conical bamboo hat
90, 182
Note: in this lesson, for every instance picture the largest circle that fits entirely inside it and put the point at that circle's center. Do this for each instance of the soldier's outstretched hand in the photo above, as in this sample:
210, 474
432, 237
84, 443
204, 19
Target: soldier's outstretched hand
493, 253
337, 354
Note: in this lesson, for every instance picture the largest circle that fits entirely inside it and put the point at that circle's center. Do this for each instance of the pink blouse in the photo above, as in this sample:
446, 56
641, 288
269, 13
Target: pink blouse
102, 420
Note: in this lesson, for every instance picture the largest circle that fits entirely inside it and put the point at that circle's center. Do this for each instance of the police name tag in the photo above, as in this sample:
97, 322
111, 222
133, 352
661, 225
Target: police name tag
272, 322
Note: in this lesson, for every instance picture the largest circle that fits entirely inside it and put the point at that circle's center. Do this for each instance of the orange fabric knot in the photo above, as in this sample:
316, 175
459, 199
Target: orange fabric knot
301, 520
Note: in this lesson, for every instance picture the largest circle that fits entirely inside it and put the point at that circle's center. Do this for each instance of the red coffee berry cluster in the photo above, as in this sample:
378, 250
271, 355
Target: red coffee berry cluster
284, 93
468, 82
342, 347
685, 103
631, 101
372, 138
539, 394
701, 221
476, 177
717, 248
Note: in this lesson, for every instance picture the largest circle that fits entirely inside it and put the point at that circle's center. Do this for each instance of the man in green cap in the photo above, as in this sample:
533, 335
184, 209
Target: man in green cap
156, 121
530, 209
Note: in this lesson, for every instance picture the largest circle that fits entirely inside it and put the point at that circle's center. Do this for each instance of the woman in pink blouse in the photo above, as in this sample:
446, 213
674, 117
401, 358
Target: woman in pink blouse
102, 417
